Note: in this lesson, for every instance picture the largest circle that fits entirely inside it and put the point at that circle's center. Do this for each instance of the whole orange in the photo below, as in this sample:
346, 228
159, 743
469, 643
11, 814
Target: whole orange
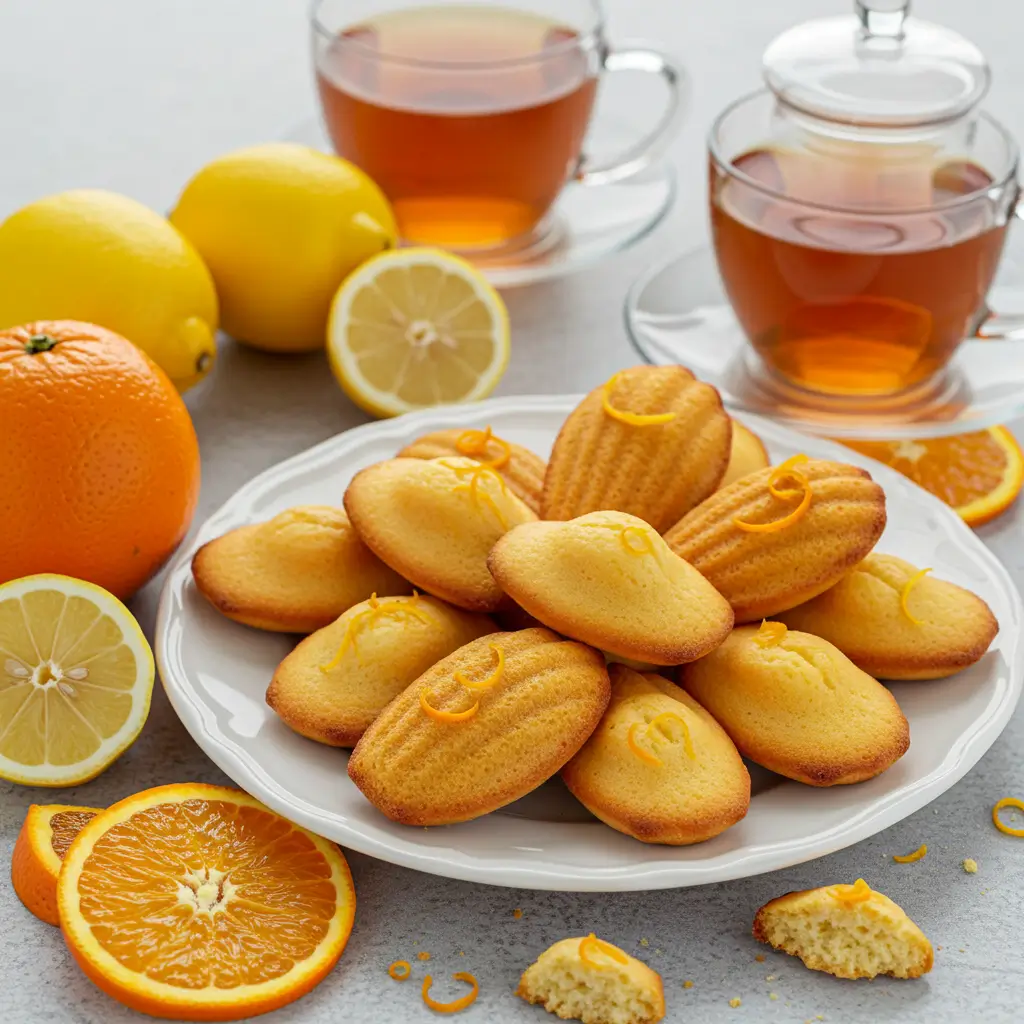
99, 463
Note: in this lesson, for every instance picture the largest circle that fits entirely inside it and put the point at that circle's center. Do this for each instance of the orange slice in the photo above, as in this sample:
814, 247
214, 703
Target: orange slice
978, 474
43, 841
198, 903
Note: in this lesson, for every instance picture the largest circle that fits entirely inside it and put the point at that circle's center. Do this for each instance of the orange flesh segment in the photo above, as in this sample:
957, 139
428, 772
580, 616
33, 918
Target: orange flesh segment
64, 826
183, 914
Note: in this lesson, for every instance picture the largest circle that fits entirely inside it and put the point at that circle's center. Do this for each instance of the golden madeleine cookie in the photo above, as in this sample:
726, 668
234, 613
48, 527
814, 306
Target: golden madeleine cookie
896, 621
481, 728
610, 580
592, 981
849, 931
747, 455
653, 441
778, 537
520, 468
659, 767
435, 521
336, 682
798, 706
295, 573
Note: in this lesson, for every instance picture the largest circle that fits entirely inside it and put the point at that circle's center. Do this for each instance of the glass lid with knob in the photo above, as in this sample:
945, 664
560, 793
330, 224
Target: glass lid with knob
877, 67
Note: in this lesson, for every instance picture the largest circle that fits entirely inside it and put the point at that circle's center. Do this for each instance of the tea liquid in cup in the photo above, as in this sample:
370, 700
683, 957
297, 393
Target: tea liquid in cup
472, 116
854, 275
469, 158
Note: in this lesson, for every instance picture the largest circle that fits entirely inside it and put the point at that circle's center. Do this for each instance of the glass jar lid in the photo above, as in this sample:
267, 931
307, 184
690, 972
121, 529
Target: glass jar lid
877, 67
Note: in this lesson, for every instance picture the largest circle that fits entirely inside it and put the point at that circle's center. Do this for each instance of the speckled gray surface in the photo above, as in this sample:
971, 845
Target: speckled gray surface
133, 97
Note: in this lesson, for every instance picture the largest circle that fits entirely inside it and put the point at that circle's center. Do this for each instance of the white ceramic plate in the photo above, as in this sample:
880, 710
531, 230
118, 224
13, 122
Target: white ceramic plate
216, 673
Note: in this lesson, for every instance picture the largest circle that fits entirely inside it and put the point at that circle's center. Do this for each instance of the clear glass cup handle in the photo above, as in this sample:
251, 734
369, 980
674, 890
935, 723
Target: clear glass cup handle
643, 153
997, 326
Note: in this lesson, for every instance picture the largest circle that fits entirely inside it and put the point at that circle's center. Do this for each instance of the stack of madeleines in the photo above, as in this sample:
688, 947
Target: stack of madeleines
639, 615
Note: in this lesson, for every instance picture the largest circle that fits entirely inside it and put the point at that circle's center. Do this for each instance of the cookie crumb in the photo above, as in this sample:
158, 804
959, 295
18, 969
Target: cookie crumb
461, 953
759, 958
772, 996
970, 865
687, 984
657, 951
644, 942
735, 1002
517, 913
423, 956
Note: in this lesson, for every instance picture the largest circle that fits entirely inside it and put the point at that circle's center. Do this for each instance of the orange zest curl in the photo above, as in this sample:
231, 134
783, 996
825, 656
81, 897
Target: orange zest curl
474, 444
634, 419
859, 892
446, 716
644, 544
456, 1004
919, 854
489, 681
671, 716
781, 472
479, 497
644, 755
400, 970
905, 593
593, 943
771, 634
1007, 801
403, 610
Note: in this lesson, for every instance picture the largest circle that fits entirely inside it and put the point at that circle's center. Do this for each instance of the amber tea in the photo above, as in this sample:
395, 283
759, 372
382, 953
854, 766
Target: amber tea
835, 293
470, 118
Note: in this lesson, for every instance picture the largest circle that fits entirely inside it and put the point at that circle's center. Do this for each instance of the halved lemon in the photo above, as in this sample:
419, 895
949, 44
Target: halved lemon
413, 328
44, 839
76, 677
979, 474
198, 903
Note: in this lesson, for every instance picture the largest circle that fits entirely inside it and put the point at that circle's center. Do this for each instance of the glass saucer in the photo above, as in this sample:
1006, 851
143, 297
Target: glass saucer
587, 224
677, 313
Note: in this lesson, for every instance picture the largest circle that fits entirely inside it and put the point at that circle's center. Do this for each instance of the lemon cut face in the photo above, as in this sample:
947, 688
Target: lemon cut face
76, 678
414, 328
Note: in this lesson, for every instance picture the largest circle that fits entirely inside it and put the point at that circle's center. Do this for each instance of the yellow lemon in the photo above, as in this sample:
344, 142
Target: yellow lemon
76, 676
417, 327
106, 259
280, 227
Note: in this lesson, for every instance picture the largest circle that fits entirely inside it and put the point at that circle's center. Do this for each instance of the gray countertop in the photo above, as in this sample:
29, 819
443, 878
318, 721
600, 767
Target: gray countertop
134, 97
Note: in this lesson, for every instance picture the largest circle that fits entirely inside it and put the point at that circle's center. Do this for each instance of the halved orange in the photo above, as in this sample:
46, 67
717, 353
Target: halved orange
978, 474
44, 839
198, 903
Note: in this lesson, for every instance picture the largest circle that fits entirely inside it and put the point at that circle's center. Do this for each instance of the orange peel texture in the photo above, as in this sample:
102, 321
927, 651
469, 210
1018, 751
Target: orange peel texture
593, 943
400, 970
446, 716
469, 478
456, 1004
905, 593
849, 895
473, 443
1007, 801
909, 858
780, 473
401, 610
771, 634
492, 680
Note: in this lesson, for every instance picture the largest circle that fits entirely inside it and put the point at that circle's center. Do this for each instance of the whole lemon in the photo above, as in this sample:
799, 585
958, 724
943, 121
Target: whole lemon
106, 259
281, 226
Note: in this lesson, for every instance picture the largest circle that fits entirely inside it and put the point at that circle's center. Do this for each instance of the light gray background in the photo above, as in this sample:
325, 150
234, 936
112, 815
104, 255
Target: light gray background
134, 95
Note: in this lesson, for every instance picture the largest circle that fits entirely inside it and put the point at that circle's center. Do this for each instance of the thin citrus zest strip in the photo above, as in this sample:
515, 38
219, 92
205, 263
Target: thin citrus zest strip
610, 951
859, 892
771, 634
457, 1004
1007, 801
491, 680
919, 854
634, 419
671, 716
795, 516
625, 531
905, 593
403, 611
476, 472
781, 471
446, 716
400, 970
474, 443
644, 755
